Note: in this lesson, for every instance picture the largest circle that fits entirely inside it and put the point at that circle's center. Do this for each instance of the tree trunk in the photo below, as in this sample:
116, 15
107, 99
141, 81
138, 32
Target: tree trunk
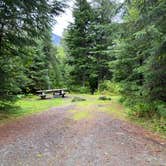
83, 79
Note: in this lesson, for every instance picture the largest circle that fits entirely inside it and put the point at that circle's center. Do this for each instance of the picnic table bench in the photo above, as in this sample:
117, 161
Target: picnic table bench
55, 92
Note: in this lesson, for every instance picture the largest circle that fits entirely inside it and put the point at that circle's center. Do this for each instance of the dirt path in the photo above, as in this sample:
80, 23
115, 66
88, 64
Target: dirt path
54, 138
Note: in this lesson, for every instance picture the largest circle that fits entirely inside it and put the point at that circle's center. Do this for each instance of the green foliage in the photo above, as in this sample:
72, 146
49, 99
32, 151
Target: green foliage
87, 41
28, 105
84, 90
101, 33
161, 108
62, 71
139, 57
109, 87
43, 68
77, 42
6, 105
126, 56
78, 89
144, 109
20, 31
38, 70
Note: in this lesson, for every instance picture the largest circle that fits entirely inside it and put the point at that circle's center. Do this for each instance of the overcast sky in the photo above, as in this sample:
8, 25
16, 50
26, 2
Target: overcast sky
65, 18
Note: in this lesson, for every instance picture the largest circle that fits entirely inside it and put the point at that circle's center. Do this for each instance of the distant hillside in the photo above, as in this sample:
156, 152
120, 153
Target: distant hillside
56, 39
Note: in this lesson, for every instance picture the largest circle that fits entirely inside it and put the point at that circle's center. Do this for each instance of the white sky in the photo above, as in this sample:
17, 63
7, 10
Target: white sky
65, 18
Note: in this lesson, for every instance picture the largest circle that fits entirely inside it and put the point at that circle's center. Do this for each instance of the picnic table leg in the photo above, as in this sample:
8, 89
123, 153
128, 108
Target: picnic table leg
43, 96
53, 94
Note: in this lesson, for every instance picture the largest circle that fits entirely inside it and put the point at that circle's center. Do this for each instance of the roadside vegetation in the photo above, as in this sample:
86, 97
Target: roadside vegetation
86, 109
86, 105
29, 105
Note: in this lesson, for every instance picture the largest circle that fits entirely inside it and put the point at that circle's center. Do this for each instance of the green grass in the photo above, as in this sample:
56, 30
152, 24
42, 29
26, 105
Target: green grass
28, 106
86, 109
80, 115
83, 110
153, 124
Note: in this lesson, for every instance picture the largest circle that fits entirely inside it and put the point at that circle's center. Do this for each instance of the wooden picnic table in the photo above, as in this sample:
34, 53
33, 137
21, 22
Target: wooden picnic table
59, 92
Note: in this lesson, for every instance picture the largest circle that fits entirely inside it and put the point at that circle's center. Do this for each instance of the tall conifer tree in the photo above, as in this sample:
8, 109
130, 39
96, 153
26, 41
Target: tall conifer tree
21, 23
78, 41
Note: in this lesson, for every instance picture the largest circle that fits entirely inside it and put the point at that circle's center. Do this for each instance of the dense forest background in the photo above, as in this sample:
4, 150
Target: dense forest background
111, 47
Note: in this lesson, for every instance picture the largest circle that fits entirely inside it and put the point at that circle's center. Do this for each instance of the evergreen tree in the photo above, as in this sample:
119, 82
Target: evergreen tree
140, 54
101, 35
78, 42
21, 22
88, 40
38, 70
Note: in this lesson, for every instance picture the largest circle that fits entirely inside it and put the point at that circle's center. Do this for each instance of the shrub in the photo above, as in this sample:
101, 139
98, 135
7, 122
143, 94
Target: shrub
84, 90
161, 108
79, 89
108, 87
7, 106
144, 109
122, 99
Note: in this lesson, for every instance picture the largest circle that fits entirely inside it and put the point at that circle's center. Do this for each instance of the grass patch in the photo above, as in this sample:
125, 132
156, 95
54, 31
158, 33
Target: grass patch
115, 108
153, 124
80, 115
83, 109
28, 106
92, 104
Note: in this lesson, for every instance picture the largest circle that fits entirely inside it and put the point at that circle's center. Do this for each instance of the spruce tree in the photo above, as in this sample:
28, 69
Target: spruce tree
102, 40
21, 22
140, 55
78, 42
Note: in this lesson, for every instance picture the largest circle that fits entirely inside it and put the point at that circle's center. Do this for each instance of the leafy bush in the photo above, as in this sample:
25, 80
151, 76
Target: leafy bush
76, 99
84, 90
78, 89
144, 109
7, 106
159, 125
161, 108
104, 98
141, 108
122, 100
108, 87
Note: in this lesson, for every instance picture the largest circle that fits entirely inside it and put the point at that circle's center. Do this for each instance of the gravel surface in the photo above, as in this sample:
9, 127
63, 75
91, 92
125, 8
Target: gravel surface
53, 138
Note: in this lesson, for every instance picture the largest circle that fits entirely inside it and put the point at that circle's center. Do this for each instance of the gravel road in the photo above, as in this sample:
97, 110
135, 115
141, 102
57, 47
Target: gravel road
53, 138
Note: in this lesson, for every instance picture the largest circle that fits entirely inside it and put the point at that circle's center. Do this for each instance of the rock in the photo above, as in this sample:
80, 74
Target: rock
75, 99
104, 98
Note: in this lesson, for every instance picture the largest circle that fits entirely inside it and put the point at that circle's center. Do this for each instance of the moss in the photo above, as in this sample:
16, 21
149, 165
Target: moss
81, 115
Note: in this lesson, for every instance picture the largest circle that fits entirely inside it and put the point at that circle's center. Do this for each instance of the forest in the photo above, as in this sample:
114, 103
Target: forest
97, 97
111, 47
